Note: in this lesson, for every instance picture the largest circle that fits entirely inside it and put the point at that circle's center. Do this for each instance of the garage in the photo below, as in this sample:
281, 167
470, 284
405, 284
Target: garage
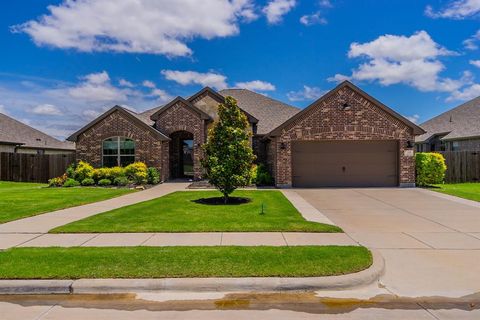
345, 163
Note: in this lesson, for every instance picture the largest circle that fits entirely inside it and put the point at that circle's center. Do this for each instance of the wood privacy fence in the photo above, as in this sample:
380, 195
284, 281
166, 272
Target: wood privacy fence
23, 167
462, 166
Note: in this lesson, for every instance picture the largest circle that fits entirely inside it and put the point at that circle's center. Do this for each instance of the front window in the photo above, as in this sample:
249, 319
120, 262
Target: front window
118, 151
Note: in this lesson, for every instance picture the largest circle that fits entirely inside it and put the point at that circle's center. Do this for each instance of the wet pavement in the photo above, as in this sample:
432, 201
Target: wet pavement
292, 305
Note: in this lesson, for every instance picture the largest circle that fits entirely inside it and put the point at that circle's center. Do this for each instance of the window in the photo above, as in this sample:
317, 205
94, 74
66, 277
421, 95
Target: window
118, 151
455, 146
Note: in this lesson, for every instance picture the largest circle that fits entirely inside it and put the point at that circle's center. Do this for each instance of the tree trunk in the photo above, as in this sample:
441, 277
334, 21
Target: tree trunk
225, 198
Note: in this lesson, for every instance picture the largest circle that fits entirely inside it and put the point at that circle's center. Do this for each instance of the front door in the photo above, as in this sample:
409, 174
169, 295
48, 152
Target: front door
187, 158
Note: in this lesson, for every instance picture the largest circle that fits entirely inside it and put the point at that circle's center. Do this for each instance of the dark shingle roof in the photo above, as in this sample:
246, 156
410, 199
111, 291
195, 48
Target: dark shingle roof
460, 122
270, 112
15, 132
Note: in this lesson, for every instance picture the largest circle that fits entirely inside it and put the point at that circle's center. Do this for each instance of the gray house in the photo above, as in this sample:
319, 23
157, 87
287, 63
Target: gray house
455, 130
17, 137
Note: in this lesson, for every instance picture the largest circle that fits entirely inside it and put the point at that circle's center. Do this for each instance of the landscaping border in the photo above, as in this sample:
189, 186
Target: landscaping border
108, 286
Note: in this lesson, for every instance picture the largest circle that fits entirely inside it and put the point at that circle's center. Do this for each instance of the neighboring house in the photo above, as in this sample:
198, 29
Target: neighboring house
17, 137
346, 138
455, 130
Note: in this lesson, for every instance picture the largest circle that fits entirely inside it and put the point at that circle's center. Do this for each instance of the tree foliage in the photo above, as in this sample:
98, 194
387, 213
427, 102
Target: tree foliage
228, 155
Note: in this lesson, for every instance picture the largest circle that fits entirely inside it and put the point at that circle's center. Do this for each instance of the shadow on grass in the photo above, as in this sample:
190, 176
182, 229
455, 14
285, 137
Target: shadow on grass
221, 201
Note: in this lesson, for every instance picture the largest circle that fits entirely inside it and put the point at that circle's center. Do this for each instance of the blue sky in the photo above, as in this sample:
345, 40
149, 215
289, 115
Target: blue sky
64, 62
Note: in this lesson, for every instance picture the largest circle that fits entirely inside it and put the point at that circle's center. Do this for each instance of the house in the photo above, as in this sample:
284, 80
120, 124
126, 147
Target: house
345, 138
17, 137
455, 130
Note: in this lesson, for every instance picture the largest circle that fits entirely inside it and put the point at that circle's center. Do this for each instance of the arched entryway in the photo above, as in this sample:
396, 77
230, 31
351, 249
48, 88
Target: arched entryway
181, 155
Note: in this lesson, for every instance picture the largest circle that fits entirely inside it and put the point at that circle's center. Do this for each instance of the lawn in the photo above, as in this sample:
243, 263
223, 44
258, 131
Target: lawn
20, 200
470, 191
161, 262
177, 212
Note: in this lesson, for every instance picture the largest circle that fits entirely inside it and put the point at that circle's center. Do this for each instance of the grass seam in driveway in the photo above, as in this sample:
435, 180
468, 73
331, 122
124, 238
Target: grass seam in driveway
20, 200
177, 212
182, 262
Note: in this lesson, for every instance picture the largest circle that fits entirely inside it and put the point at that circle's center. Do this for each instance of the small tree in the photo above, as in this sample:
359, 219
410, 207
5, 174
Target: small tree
228, 156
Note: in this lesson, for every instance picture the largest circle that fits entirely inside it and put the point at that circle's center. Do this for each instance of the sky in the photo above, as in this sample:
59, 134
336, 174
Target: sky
64, 62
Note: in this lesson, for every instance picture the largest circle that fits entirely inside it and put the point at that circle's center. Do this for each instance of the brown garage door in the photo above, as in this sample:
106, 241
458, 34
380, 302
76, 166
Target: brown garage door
345, 163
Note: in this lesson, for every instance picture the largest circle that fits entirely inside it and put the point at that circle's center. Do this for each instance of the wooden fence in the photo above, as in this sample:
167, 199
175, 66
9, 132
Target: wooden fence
23, 167
462, 166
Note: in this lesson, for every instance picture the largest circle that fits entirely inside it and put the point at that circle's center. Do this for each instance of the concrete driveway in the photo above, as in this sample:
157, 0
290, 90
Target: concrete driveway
430, 242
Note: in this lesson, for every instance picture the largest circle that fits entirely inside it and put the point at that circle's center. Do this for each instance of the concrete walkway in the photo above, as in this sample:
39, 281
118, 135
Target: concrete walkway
9, 240
44, 222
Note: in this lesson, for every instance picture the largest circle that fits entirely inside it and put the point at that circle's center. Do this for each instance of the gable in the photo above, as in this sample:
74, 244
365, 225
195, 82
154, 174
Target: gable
345, 107
180, 116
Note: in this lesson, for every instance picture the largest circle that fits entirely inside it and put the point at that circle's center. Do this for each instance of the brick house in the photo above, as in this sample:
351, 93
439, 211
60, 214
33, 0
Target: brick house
346, 138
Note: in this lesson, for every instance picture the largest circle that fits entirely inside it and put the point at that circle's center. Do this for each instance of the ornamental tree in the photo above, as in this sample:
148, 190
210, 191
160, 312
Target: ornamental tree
228, 156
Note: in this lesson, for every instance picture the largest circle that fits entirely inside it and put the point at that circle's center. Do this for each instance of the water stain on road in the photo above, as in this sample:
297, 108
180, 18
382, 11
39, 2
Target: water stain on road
307, 302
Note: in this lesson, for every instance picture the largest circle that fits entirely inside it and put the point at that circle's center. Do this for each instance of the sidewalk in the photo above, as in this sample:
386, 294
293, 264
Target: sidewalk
44, 222
9, 240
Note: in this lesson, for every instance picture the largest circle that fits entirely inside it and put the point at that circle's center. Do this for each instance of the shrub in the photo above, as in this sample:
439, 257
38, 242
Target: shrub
121, 181
71, 183
58, 181
108, 173
137, 172
88, 182
261, 176
70, 172
430, 168
83, 170
153, 176
105, 182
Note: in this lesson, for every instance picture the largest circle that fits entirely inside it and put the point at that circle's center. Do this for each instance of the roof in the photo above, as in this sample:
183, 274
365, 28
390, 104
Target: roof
416, 129
269, 112
159, 111
15, 132
140, 119
458, 123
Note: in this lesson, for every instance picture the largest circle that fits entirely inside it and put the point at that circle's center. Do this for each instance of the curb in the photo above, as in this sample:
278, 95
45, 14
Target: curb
108, 286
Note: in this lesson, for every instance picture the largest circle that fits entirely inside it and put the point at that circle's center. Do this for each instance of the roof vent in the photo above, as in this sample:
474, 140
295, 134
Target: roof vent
451, 120
38, 139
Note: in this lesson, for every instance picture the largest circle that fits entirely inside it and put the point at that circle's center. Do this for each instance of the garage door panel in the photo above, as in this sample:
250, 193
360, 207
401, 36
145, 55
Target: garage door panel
344, 163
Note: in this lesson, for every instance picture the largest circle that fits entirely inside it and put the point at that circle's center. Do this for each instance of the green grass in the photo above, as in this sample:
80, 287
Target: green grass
470, 191
160, 262
177, 212
20, 200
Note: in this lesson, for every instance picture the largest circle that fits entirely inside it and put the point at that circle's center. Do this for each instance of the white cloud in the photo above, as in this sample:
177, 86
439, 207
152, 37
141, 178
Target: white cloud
125, 83
91, 114
339, 78
148, 84
472, 42
466, 93
311, 19
459, 9
184, 78
256, 85
276, 9
3, 109
141, 26
97, 87
475, 63
325, 3
413, 118
389, 63
46, 109
307, 93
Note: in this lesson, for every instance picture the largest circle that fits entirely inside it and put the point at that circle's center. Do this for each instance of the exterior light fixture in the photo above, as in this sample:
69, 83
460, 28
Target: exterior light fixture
283, 146
409, 144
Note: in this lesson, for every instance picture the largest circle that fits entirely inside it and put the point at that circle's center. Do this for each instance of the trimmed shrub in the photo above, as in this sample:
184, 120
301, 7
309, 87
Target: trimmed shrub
105, 182
108, 173
153, 176
58, 181
70, 172
83, 170
430, 168
137, 172
121, 181
261, 176
71, 183
88, 182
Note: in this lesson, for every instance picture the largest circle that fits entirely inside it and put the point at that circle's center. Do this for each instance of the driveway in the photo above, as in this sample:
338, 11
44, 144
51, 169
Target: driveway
431, 243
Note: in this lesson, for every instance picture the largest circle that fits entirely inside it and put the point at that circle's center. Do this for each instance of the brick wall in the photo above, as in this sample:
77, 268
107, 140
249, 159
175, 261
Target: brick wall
148, 148
328, 121
181, 117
